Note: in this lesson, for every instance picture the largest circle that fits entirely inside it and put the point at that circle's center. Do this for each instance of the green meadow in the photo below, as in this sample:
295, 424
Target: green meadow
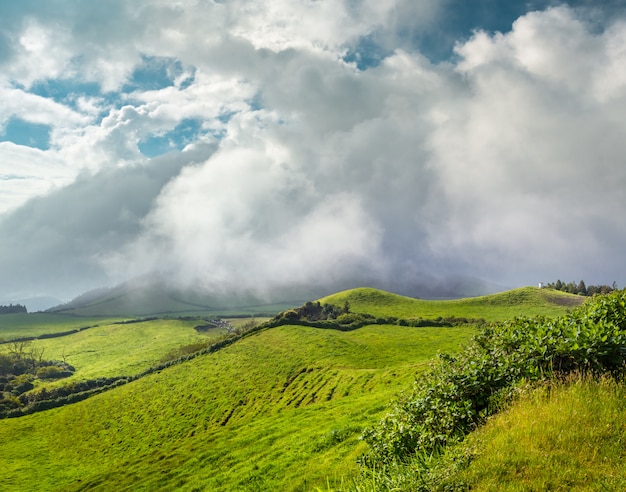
280, 408
124, 349
525, 301
22, 325
559, 437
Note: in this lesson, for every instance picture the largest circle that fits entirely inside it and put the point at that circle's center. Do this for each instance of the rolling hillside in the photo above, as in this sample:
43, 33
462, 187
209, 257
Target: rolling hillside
505, 305
279, 410
154, 297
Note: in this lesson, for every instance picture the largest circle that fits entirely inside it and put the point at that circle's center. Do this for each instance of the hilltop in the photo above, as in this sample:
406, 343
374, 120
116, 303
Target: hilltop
504, 305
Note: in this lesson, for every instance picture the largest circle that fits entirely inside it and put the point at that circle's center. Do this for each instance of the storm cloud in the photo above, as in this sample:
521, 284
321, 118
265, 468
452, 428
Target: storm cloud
312, 144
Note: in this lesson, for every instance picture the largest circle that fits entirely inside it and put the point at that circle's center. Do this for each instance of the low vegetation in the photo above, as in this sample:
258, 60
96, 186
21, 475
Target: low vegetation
459, 393
341, 318
280, 409
568, 436
19, 367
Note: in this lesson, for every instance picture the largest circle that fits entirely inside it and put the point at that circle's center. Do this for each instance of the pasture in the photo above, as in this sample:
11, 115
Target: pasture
281, 409
525, 301
32, 325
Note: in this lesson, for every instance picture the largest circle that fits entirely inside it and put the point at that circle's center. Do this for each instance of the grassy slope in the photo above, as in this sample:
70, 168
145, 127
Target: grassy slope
20, 325
292, 401
279, 410
505, 305
567, 437
120, 349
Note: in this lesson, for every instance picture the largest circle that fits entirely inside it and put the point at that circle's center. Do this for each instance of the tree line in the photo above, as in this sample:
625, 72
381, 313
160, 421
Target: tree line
581, 289
12, 308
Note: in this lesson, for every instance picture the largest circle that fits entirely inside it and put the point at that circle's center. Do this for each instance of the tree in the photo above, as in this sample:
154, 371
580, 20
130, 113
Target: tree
18, 348
11, 308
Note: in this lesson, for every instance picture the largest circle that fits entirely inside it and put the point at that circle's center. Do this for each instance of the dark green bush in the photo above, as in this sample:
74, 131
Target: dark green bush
21, 384
52, 372
458, 393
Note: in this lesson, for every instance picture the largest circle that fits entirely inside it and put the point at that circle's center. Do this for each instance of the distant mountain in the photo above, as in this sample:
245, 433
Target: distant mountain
153, 296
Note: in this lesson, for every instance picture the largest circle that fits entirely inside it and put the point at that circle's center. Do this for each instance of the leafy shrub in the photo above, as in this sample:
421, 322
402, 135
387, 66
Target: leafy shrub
458, 393
52, 372
9, 402
21, 384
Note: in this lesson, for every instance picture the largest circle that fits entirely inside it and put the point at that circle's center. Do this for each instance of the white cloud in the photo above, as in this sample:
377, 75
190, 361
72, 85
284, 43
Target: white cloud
246, 217
41, 52
207, 98
35, 109
530, 162
504, 163
26, 172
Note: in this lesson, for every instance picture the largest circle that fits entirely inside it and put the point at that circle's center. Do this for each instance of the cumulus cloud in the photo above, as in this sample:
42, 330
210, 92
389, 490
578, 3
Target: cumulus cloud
52, 245
308, 167
26, 172
530, 160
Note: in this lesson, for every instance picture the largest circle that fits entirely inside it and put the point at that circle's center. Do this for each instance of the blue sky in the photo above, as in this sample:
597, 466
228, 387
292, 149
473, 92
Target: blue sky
457, 22
411, 145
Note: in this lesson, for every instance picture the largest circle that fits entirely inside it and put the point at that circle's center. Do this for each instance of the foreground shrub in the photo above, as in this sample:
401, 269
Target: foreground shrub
458, 393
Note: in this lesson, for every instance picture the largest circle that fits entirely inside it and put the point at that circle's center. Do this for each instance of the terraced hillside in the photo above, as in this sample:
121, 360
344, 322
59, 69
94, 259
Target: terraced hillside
279, 410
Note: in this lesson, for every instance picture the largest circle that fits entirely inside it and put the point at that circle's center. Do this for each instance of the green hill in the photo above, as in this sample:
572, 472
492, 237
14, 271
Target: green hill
527, 301
279, 410
564, 432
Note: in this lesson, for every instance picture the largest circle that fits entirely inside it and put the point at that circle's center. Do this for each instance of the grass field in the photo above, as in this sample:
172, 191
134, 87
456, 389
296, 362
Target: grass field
557, 437
279, 410
526, 301
120, 349
22, 325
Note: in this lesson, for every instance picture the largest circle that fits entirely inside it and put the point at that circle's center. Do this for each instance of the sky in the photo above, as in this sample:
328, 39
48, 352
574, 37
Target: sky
431, 147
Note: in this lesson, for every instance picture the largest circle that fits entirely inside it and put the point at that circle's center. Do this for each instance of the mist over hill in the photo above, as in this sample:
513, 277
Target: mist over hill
159, 294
